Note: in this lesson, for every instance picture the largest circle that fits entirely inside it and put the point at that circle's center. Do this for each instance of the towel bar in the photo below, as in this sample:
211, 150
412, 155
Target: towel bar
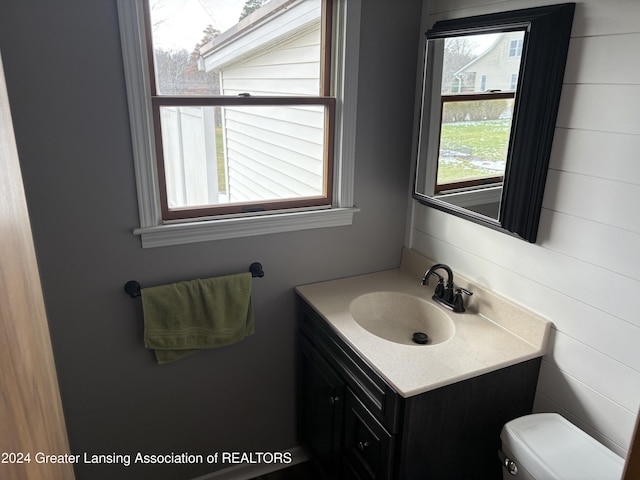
133, 288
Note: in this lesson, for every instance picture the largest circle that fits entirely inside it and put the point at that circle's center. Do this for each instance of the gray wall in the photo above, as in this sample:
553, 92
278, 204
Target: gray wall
65, 79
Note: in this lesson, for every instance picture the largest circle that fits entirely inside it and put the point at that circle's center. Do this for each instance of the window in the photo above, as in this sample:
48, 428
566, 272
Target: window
475, 120
474, 139
513, 82
515, 47
243, 132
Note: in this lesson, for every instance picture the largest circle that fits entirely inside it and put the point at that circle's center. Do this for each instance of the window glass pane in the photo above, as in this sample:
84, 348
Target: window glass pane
249, 154
480, 63
474, 139
515, 48
228, 47
474, 134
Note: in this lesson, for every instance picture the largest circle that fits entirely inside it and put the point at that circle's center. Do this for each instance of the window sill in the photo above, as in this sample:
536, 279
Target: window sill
237, 227
471, 197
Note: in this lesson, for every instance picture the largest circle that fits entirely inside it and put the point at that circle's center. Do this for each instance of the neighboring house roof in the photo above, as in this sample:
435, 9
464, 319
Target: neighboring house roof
491, 47
272, 23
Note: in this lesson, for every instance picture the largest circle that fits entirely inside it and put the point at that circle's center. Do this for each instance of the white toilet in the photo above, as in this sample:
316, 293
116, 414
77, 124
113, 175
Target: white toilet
545, 446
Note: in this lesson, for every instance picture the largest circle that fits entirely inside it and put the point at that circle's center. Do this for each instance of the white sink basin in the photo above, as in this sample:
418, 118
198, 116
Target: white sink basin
396, 317
377, 314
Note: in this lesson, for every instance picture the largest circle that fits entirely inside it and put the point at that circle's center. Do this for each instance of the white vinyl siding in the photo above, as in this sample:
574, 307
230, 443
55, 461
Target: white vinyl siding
275, 152
497, 66
292, 69
274, 157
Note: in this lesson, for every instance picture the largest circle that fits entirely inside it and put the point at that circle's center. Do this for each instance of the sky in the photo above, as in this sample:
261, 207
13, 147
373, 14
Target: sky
483, 41
183, 21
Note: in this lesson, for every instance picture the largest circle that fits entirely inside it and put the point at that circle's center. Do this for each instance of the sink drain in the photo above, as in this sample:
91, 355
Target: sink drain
420, 338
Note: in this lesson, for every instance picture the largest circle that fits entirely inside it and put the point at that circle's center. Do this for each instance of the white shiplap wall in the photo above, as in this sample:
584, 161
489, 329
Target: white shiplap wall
583, 273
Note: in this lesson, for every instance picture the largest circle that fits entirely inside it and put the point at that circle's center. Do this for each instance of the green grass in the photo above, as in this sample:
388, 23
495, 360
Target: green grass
464, 142
222, 184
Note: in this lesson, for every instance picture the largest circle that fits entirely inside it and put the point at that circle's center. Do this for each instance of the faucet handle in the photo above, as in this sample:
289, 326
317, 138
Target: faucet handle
458, 300
440, 291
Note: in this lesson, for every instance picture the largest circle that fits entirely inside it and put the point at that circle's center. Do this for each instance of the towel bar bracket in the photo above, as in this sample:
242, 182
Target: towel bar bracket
256, 270
133, 288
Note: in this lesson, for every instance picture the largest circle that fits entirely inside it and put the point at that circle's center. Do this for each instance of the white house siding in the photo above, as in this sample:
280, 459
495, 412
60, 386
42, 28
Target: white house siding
583, 273
275, 152
497, 65
291, 69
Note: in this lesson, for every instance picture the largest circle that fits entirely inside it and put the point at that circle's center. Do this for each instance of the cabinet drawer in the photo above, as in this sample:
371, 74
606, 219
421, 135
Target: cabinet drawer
375, 393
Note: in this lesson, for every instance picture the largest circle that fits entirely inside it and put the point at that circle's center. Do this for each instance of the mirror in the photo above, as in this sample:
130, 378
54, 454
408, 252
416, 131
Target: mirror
490, 95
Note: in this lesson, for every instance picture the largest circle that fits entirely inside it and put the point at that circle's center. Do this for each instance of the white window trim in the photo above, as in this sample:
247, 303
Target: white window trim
156, 233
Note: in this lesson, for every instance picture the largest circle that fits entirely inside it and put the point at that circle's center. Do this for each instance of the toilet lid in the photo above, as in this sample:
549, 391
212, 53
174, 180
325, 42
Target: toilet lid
550, 447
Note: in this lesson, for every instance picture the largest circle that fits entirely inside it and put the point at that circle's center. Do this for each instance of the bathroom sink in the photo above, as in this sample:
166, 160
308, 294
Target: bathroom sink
401, 318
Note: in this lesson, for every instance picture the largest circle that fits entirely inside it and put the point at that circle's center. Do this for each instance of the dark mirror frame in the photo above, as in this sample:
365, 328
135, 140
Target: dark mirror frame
544, 54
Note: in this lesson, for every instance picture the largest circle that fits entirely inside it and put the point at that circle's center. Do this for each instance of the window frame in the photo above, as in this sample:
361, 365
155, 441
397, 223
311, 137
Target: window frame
193, 213
156, 231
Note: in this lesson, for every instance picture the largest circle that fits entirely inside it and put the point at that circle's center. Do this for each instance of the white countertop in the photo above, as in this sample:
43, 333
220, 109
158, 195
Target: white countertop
493, 333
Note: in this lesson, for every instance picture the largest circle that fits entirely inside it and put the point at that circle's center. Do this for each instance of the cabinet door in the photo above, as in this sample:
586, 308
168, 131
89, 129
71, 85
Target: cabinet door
368, 446
348, 472
320, 410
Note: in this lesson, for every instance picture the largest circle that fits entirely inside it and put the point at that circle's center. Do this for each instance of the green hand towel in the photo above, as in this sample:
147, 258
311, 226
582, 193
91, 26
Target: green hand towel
183, 318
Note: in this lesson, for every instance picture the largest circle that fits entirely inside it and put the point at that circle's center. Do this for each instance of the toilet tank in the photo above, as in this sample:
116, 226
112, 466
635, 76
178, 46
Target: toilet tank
545, 446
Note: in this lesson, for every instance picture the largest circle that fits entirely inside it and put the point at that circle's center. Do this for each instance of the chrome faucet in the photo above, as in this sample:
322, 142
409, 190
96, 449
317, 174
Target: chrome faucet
447, 295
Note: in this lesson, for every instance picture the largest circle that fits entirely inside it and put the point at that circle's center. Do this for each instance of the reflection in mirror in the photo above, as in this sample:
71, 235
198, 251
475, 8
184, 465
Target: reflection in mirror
478, 87
490, 96
474, 98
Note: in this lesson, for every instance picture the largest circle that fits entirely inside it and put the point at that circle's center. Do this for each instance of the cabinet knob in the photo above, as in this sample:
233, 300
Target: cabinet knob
363, 445
333, 400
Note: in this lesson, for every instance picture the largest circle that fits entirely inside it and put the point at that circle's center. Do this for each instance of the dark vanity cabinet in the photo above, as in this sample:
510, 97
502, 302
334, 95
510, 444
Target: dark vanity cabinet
354, 425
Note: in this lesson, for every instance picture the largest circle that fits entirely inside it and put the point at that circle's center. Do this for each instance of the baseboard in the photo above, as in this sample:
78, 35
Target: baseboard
247, 471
